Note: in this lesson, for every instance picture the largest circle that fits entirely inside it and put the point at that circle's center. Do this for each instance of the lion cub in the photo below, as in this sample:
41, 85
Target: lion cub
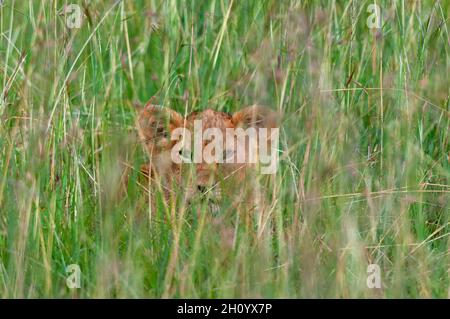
225, 170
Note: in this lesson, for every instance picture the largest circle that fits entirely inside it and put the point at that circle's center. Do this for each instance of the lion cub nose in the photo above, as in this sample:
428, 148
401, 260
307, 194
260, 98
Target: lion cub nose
202, 189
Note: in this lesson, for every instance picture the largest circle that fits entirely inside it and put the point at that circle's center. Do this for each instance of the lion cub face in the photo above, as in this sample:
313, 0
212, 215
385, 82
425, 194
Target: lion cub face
221, 167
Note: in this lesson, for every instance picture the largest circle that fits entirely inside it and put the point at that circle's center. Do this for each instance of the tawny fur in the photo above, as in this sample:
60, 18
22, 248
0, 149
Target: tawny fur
235, 181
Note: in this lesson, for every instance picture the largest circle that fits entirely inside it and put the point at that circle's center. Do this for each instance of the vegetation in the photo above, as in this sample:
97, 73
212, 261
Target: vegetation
364, 146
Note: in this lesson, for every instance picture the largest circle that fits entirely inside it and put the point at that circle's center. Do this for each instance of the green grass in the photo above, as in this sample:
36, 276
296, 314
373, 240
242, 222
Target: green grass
364, 175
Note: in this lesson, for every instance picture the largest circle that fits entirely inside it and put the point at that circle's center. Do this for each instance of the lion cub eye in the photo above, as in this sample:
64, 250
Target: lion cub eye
161, 132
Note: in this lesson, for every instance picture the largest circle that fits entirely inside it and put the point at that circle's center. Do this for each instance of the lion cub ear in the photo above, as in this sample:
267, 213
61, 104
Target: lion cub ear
255, 116
155, 124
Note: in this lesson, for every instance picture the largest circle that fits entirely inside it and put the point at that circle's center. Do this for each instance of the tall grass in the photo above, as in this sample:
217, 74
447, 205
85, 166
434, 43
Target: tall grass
365, 152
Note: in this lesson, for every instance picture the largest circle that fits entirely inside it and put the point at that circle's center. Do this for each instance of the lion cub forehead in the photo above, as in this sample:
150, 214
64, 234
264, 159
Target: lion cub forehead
211, 119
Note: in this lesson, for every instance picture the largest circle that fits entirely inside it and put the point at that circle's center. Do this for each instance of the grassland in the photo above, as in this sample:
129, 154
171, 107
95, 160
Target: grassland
364, 176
